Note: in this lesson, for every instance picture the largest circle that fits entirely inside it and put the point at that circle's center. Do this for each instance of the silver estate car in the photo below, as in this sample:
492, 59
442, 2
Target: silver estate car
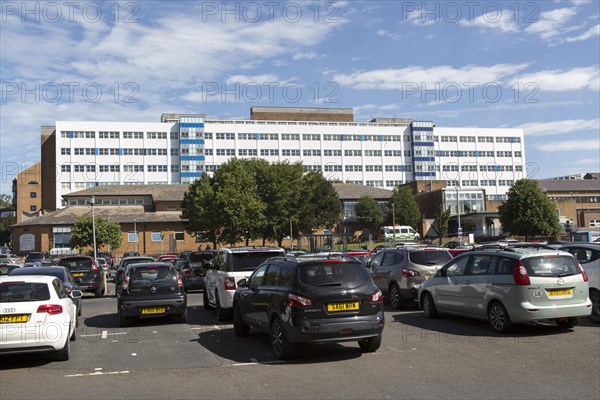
508, 286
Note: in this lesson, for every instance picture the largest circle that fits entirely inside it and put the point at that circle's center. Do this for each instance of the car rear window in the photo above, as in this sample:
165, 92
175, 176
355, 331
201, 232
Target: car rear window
23, 291
137, 261
554, 266
429, 257
76, 263
200, 257
142, 280
249, 261
339, 274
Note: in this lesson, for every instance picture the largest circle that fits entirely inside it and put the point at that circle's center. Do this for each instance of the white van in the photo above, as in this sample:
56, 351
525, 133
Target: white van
399, 232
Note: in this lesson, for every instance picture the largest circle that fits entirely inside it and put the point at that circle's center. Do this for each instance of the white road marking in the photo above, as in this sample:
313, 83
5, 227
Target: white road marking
97, 369
134, 354
255, 362
98, 373
104, 334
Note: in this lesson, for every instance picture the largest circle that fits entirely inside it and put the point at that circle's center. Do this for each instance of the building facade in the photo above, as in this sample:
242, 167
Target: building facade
27, 193
384, 153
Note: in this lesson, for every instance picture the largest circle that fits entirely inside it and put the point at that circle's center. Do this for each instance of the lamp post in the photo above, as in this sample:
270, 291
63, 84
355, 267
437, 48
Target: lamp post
394, 222
92, 201
459, 231
135, 233
291, 237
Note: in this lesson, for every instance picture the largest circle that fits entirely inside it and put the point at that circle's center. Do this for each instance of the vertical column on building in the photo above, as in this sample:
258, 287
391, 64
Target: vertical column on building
191, 147
423, 154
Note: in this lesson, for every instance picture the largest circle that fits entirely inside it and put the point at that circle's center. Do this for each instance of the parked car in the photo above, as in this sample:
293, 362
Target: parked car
125, 262
457, 247
86, 272
151, 290
166, 256
400, 271
230, 265
9, 258
131, 254
110, 260
310, 301
588, 255
193, 270
61, 273
35, 256
37, 304
362, 256
184, 255
5, 268
103, 264
509, 286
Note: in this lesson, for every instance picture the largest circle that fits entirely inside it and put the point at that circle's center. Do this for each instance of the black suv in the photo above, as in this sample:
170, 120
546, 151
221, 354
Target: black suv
193, 270
151, 290
310, 301
86, 272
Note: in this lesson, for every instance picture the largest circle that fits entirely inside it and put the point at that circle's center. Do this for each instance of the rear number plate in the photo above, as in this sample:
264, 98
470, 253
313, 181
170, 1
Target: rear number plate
9, 319
333, 307
153, 310
559, 292
78, 274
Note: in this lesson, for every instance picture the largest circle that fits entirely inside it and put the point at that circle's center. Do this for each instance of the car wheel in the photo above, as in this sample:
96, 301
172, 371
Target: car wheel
74, 334
499, 319
64, 353
595, 298
182, 318
395, 299
99, 293
205, 300
370, 345
239, 327
223, 314
280, 346
429, 308
567, 323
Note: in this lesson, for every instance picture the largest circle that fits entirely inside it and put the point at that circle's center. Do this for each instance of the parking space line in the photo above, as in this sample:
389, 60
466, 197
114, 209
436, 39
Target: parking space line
97, 373
254, 361
104, 334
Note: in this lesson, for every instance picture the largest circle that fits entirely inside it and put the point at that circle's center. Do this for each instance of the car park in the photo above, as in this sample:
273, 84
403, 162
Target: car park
399, 272
509, 286
5, 268
228, 266
310, 301
588, 255
125, 262
193, 270
61, 273
86, 272
151, 290
32, 306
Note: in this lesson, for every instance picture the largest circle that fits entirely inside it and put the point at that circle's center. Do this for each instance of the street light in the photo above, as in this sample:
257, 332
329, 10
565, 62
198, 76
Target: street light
92, 201
135, 232
459, 231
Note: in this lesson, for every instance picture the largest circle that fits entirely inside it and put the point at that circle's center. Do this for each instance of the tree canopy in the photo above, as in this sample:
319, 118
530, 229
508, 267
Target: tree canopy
5, 200
369, 214
406, 209
440, 223
528, 211
107, 233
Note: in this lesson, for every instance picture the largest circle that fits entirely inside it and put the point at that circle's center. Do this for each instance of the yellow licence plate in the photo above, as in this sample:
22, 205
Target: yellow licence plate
9, 319
153, 310
559, 292
78, 274
343, 306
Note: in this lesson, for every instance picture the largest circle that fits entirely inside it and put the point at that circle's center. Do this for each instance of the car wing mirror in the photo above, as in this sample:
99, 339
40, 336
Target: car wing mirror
76, 294
242, 282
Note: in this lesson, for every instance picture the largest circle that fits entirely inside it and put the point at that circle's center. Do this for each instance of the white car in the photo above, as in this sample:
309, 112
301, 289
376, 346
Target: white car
588, 255
36, 315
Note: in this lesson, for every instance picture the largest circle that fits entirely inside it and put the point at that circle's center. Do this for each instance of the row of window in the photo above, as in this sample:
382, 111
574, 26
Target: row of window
66, 151
480, 139
473, 153
483, 168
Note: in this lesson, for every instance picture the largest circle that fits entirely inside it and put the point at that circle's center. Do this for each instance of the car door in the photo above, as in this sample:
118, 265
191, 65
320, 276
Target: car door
477, 285
448, 285
381, 271
267, 291
249, 297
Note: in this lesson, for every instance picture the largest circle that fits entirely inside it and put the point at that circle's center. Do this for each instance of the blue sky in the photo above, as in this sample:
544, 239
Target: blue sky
533, 65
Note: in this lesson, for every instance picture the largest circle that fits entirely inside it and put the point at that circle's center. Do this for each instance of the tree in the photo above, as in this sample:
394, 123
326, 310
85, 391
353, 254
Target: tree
319, 205
5, 234
528, 211
5, 200
107, 233
405, 207
199, 210
369, 214
440, 223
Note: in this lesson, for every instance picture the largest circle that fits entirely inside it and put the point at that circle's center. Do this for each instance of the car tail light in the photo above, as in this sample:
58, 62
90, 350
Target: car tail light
334, 261
377, 296
408, 273
179, 283
520, 274
295, 300
95, 266
229, 283
187, 272
51, 309
585, 277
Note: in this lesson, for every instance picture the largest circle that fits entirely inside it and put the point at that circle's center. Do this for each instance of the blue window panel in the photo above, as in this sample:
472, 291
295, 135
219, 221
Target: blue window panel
424, 173
381, 138
120, 152
190, 174
191, 141
425, 144
191, 125
97, 183
145, 152
72, 134
477, 153
497, 168
362, 138
258, 136
97, 151
423, 159
191, 158
342, 138
403, 168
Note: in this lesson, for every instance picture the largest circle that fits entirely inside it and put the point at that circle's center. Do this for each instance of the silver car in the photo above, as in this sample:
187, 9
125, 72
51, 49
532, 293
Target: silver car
509, 286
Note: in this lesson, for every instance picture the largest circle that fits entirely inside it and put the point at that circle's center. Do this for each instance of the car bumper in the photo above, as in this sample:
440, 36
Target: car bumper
525, 311
194, 284
335, 329
19, 338
133, 307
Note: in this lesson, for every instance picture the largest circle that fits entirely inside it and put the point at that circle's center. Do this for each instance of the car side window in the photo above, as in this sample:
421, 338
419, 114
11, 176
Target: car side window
458, 267
218, 261
272, 276
389, 258
584, 256
286, 276
60, 289
376, 261
258, 275
505, 266
480, 265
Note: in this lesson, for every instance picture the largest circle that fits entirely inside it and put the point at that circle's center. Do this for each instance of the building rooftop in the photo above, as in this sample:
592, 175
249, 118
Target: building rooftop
352, 191
569, 185
159, 193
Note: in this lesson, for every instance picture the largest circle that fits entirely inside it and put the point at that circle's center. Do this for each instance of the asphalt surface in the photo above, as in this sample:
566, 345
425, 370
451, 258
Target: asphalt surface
448, 358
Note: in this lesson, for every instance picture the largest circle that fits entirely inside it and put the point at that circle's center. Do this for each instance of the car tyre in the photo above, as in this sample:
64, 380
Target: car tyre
223, 314
395, 299
281, 347
567, 323
64, 353
498, 318
205, 300
370, 345
99, 293
595, 298
182, 318
429, 308
74, 334
239, 327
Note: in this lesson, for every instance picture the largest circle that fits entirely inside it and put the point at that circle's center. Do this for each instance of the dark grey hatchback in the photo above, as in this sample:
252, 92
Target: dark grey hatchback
310, 301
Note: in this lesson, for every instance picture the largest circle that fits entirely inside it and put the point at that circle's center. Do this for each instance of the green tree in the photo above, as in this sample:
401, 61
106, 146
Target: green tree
405, 207
319, 205
107, 233
369, 214
5, 200
440, 223
199, 210
528, 211
5, 234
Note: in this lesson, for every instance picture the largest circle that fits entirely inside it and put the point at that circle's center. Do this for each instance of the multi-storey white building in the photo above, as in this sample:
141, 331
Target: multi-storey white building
381, 153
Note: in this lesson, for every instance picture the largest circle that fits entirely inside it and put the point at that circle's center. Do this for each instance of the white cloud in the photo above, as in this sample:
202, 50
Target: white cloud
503, 21
561, 81
305, 55
399, 79
571, 145
551, 23
590, 33
559, 127
388, 34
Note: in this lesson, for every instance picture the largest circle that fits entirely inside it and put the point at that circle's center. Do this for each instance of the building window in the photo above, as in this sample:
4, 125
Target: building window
179, 236
32, 208
132, 237
156, 236
33, 195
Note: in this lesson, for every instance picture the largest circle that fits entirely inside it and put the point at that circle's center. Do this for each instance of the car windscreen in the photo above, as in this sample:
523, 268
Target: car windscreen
23, 291
76, 263
338, 274
554, 266
248, 261
429, 257
136, 261
39, 271
200, 257
152, 280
